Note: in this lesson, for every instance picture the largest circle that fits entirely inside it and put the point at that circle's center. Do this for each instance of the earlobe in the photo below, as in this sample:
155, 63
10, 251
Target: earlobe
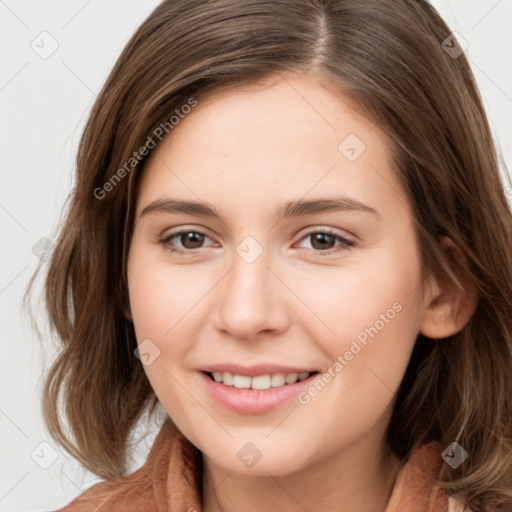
449, 305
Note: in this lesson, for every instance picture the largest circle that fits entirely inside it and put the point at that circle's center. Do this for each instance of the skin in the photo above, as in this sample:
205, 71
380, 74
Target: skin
247, 151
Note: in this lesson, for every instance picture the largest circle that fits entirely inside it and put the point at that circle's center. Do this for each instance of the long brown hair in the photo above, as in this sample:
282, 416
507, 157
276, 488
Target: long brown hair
391, 58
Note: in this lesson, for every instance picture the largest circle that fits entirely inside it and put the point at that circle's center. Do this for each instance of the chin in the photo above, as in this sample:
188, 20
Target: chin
276, 464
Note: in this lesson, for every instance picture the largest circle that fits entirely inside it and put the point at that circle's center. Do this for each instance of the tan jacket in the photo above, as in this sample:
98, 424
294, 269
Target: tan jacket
169, 481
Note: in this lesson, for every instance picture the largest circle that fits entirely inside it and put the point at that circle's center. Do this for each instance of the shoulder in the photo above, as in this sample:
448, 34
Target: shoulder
130, 493
419, 480
144, 490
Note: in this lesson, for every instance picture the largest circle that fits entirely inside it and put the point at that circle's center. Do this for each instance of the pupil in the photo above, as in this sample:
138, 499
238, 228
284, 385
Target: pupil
322, 238
196, 239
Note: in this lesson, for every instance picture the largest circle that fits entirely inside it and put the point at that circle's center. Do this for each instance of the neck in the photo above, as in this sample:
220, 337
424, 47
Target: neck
355, 478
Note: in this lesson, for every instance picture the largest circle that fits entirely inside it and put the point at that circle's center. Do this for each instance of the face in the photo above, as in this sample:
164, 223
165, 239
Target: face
298, 274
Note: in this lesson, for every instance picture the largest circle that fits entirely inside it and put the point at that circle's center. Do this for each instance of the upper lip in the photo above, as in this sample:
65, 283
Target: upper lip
255, 370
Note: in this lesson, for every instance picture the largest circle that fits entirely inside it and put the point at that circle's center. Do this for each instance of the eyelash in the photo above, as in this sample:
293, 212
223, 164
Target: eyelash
345, 243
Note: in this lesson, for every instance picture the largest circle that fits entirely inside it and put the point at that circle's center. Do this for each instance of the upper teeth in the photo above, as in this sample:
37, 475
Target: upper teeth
259, 382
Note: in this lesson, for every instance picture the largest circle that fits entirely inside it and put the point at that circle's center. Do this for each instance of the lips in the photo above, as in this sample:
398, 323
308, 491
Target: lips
252, 400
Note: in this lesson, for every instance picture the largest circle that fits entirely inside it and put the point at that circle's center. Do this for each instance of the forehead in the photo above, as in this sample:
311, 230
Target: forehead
286, 136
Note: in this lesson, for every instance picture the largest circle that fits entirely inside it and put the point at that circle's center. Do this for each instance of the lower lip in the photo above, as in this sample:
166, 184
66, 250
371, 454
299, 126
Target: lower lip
254, 401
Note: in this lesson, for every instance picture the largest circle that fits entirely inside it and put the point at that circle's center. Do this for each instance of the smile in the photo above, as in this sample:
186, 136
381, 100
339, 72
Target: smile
259, 382
257, 393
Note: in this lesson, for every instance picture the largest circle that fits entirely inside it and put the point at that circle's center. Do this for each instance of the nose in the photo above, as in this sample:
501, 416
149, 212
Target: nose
251, 300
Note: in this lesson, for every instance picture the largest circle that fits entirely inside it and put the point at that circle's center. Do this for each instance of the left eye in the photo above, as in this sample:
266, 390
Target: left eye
191, 240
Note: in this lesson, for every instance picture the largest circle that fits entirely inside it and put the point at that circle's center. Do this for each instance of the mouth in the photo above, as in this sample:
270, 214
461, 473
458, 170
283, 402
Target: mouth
257, 389
259, 382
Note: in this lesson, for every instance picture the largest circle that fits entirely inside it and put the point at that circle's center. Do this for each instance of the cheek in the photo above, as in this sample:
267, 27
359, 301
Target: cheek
167, 305
368, 358
161, 313
163, 297
362, 297
370, 317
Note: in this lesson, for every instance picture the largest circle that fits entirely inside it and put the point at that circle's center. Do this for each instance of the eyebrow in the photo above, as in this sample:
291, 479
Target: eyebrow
299, 208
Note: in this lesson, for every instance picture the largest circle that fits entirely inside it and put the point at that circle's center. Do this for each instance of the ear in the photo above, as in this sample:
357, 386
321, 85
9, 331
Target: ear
450, 300
127, 313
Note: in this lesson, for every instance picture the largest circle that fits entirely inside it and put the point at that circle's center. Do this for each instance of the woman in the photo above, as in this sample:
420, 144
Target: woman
366, 375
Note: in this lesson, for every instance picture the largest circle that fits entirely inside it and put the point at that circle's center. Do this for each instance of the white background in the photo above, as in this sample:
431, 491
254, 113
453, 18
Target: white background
44, 103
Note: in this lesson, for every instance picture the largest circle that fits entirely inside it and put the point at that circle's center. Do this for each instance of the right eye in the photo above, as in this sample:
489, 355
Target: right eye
190, 239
